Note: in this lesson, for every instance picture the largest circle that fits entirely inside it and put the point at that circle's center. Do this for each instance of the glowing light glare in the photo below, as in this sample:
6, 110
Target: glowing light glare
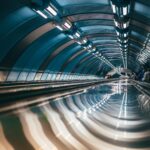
125, 46
125, 34
67, 25
85, 90
102, 57
125, 25
71, 37
59, 27
41, 14
113, 8
51, 10
125, 41
119, 40
77, 34
94, 49
84, 41
79, 42
90, 46
116, 23
117, 33
125, 10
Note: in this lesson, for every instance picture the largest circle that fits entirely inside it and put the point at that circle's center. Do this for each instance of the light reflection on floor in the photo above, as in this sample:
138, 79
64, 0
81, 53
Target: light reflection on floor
114, 116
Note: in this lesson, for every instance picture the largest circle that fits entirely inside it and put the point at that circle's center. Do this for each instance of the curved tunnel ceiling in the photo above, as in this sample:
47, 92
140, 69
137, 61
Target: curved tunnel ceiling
82, 36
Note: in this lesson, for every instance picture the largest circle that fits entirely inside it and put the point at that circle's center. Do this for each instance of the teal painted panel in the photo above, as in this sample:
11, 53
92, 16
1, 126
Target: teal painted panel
62, 57
72, 64
15, 27
38, 51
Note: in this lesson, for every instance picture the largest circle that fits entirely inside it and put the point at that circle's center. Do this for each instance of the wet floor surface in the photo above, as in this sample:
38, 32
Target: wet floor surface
114, 116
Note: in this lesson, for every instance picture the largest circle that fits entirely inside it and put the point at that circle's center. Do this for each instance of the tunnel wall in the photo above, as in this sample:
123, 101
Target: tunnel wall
31, 46
33, 49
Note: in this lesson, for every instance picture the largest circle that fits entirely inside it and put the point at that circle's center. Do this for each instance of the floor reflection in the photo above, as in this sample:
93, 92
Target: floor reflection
113, 116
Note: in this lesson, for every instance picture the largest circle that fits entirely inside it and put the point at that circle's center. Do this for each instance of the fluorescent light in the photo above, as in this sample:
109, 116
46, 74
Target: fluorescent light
125, 41
79, 42
71, 36
84, 41
67, 25
117, 33
41, 14
90, 46
94, 49
59, 27
124, 25
116, 23
51, 10
125, 11
113, 7
125, 34
77, 34
119, 40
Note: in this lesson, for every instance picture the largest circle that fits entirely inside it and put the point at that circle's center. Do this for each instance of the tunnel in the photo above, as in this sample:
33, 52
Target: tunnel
75, 75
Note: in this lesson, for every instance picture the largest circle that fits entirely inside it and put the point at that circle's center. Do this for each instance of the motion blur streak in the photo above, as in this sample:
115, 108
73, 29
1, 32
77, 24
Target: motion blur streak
111, 116
4, 144
34, 131
61, 131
